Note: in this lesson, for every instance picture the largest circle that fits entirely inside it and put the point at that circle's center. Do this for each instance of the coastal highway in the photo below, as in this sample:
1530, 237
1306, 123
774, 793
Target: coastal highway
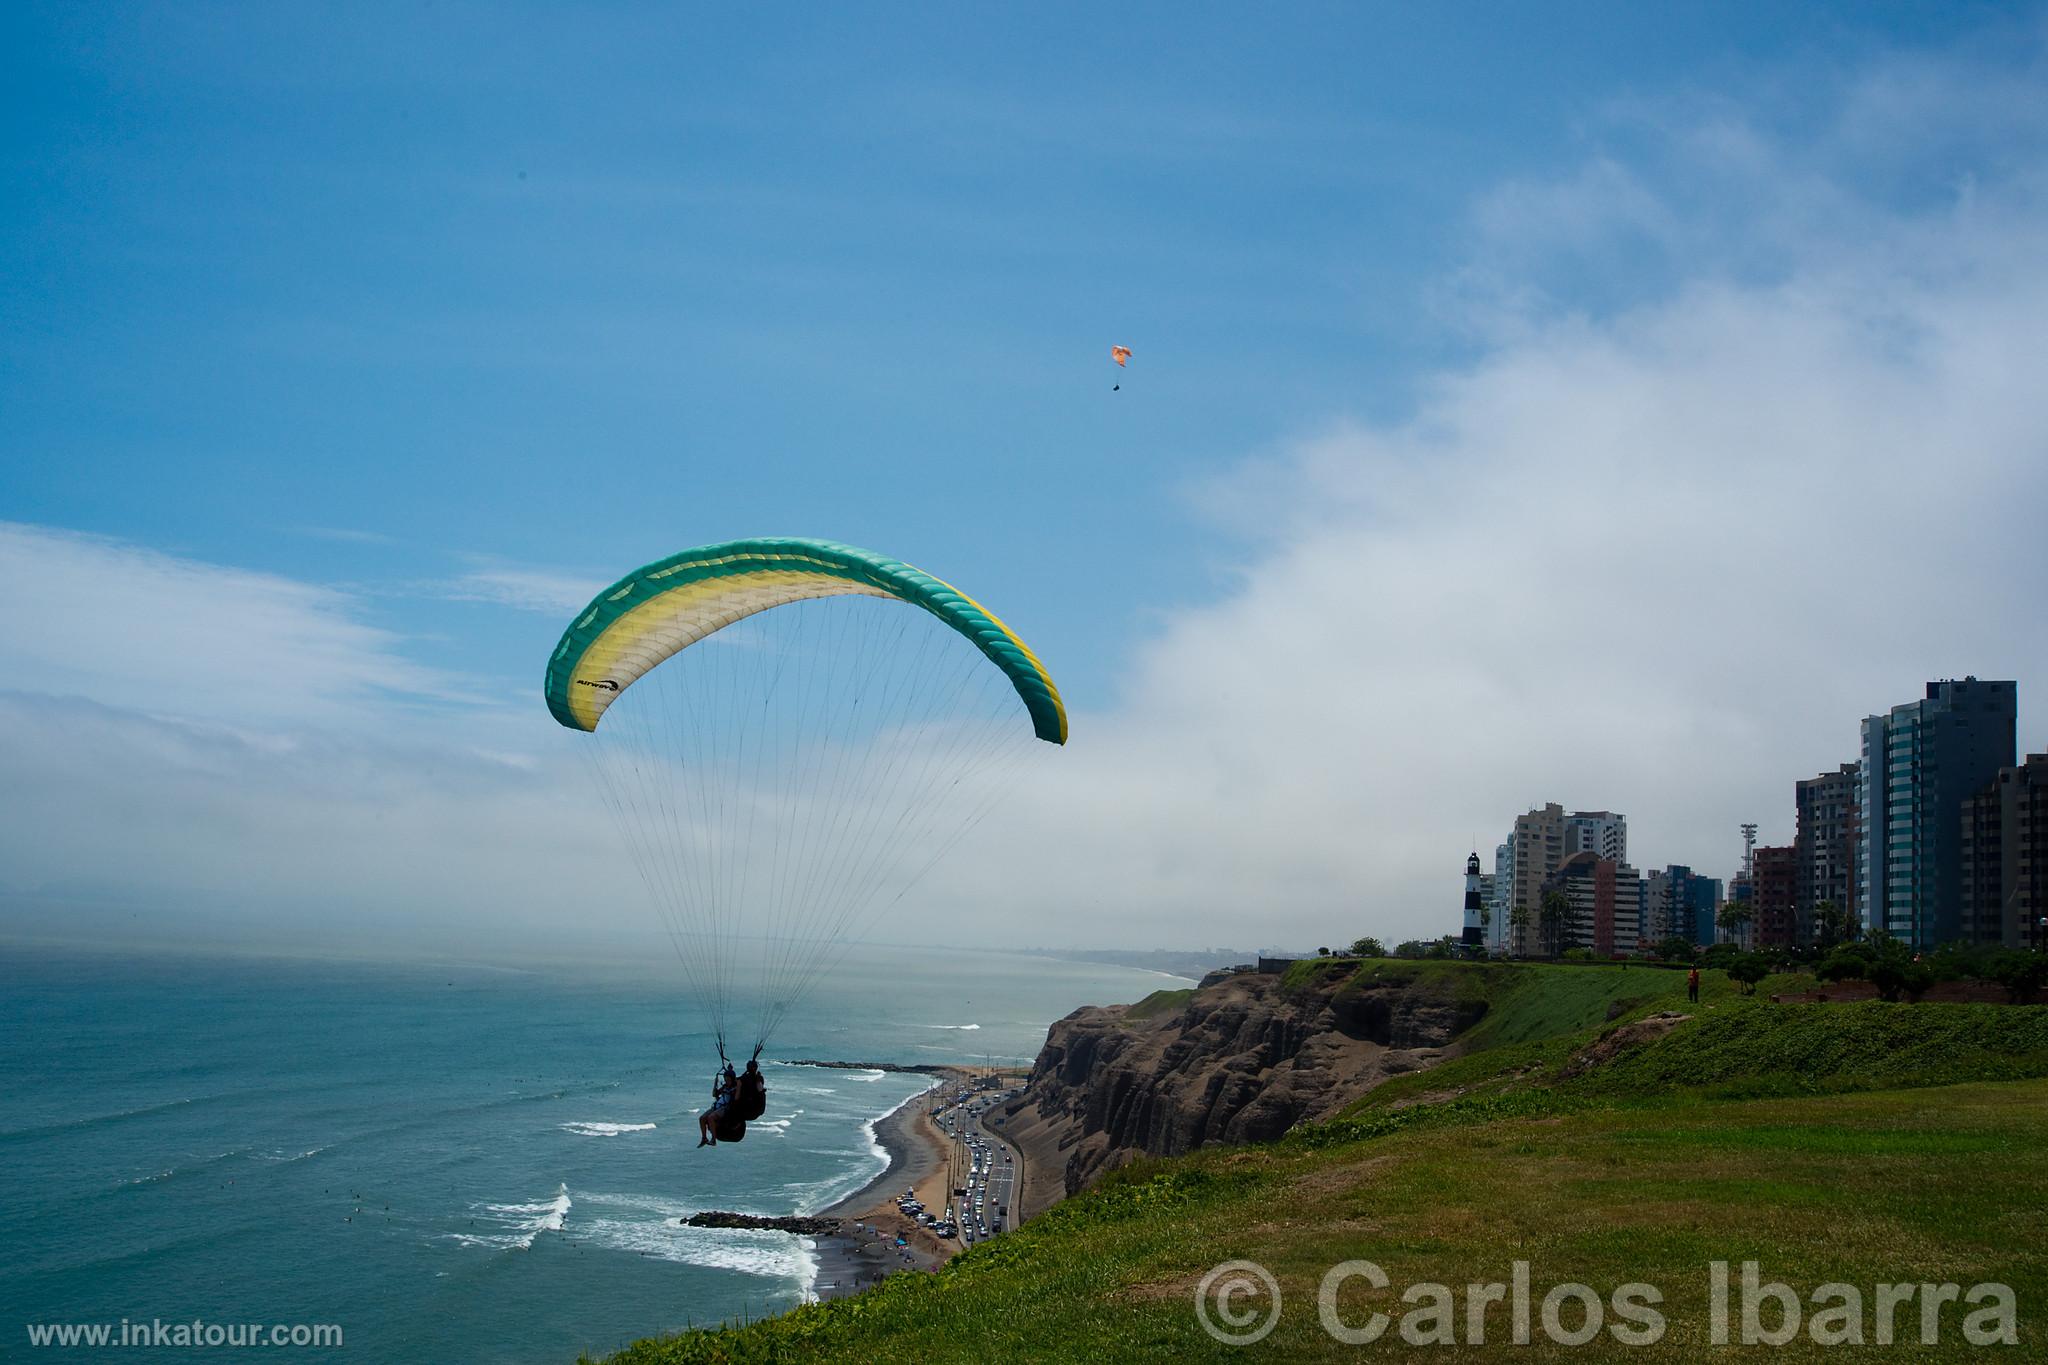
1002, 1181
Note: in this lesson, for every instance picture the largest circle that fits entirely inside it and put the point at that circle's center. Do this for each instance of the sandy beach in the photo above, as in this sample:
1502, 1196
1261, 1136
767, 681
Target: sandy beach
866, 1250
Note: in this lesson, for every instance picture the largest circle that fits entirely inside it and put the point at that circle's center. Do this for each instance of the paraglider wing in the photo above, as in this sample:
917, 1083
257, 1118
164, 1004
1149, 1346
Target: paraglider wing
652, 614
1119, 354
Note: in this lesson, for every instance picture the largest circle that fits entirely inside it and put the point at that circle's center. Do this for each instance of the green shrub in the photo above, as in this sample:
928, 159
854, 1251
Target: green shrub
1749, 969
1850, 962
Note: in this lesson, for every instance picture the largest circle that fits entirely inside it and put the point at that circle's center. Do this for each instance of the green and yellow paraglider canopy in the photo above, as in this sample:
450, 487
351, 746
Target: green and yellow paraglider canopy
659, 610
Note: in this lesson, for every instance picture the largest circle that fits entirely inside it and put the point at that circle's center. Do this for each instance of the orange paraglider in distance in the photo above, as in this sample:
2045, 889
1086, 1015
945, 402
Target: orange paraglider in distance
1119, 354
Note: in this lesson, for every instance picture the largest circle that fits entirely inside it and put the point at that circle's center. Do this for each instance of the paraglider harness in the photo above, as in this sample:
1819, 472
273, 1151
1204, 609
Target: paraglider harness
737, 1100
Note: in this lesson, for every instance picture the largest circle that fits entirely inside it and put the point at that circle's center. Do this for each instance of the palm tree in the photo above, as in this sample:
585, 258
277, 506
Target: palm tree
1733, 917
1518, 922
1831, 925
1556, 910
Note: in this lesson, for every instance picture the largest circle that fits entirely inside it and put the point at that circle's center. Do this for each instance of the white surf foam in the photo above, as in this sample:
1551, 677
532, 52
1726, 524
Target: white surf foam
659, 1205
772, 1255
196, 1163
825, 1193
646, 1225
962, 1027
604, 1129
512, 1227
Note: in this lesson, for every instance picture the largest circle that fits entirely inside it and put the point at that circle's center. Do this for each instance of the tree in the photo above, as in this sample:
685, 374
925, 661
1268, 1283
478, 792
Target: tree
1556, 909
1895, 971
1849, 962
1322, 952
1894, 978
1368, 947
1518, 920
1831, 925
1733, 916
1674, 949
1749, 969
1719, 955
2021, 973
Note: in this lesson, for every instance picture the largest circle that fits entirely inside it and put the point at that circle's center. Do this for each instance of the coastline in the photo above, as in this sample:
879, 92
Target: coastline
911, 1153
864, 1251
873, 1238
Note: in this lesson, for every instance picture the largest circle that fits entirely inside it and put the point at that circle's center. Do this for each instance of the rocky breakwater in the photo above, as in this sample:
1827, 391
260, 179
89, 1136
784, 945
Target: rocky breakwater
1243, 1059
802, 1227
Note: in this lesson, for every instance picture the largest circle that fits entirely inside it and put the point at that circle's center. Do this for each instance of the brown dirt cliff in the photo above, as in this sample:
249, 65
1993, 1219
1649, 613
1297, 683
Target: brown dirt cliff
1243, 1060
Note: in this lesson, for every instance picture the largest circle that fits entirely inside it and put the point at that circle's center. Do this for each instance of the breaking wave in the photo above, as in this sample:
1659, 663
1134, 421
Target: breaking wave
514, 1226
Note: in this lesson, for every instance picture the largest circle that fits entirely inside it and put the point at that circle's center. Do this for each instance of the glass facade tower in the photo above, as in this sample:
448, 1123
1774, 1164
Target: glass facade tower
1921, 762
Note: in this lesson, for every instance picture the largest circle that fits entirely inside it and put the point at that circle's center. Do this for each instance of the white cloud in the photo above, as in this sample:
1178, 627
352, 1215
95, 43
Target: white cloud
1658, 559
127, 626
178, 733
541, 590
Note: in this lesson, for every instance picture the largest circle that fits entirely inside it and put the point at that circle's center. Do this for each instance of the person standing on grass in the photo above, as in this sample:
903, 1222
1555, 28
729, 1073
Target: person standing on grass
1692, 985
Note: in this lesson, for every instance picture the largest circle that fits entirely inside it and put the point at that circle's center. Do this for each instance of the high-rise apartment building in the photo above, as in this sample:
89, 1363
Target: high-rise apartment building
1679, 903
1537, 846
2003, 851
1500, 896
1597, 831
1826, 844
1921, 761
1775, 899
1606, 904
1657, 916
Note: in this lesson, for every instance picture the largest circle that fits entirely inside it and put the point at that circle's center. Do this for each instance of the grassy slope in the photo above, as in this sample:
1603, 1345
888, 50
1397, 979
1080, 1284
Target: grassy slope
1646, 1169
1524, 1000
1159, 1002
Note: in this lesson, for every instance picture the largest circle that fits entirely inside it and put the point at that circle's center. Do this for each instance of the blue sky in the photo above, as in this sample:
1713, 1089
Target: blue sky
574, 290
435, 315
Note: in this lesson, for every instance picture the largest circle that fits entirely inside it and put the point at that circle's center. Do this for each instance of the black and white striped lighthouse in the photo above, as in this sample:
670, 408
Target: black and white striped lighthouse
1475, 929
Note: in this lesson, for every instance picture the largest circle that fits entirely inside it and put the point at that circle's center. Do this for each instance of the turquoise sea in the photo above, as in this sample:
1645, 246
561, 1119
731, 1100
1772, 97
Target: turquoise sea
461, 1163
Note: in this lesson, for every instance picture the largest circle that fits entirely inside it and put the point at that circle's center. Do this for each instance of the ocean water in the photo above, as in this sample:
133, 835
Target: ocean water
459, 1163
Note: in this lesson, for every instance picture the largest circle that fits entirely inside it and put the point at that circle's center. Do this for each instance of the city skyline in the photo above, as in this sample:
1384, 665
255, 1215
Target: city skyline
1949, 820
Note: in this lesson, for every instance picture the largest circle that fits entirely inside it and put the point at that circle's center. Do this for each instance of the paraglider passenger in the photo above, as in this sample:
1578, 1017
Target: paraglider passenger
722, 1092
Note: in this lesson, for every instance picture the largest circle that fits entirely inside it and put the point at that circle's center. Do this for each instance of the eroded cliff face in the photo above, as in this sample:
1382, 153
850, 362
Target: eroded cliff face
1243, 1061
